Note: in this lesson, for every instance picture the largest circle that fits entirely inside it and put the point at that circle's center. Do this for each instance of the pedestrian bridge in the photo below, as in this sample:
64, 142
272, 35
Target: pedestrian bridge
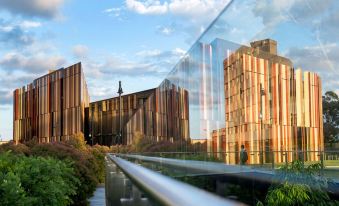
145, 180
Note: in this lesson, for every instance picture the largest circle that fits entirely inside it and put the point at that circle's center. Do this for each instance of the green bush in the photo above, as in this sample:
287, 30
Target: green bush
85, 166
100, 168
36, 180
15, 148
299, 185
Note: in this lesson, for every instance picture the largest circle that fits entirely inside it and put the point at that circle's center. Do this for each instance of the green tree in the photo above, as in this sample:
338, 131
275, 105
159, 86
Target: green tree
36, 181
331, 117
83, 167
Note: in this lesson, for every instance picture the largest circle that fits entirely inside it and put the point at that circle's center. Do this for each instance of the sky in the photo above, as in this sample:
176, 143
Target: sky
137, 42
140, 41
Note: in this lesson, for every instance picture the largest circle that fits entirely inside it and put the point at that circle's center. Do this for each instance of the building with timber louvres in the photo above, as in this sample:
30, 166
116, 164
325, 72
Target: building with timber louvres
104, 117
52, 107
251, 96
158, 114
56, 106
271, 108
226, 93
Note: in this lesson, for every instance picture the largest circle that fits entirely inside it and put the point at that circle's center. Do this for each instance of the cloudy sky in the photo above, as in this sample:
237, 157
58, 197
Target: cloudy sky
139, 41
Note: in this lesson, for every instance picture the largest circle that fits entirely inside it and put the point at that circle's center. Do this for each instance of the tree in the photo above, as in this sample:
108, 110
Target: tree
36, 180
331, 117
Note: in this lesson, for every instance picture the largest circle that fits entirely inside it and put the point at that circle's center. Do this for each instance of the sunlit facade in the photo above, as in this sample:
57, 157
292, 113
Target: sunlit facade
157, 114
104, 117
272, 109
250, 95
52, 108
164, 116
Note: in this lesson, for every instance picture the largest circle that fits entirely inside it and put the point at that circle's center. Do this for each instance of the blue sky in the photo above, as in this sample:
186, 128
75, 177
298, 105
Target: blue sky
139, 41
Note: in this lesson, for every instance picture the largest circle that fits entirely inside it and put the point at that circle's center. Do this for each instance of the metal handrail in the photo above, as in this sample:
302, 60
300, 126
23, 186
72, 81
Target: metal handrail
256, 151
201, 166
167, 190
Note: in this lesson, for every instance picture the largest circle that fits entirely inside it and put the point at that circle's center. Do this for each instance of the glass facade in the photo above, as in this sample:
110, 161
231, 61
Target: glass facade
104, 117
164, 116
253, 78
247, 84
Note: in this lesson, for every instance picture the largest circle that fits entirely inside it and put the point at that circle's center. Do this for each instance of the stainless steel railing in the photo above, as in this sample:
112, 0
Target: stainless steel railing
166, 190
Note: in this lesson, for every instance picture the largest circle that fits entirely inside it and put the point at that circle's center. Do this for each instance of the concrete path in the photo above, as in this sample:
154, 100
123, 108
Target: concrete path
98, 198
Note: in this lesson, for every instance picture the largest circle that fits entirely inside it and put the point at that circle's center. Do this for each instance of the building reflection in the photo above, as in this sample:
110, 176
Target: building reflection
270, 108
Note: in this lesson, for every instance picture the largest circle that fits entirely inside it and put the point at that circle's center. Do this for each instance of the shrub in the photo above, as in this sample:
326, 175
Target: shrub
299, 185
100, 168
15, 148
36, 181
85, 166
88, 164
77, 141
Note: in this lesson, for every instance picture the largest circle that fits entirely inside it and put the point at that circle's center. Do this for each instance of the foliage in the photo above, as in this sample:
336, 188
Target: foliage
36, 180
99, 156
142, 144
16, 149
331, 117
88, 163
85, 166
299, 185
77, 141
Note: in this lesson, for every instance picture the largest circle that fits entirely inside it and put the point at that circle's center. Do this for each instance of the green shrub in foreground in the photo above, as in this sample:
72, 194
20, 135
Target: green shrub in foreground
36, 180
299, 185
84, 167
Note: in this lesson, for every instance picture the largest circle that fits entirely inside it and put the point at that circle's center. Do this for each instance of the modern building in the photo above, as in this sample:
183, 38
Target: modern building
158, 114
271, 108
104, 117
228, 94
52, 107
163, 116
56, 106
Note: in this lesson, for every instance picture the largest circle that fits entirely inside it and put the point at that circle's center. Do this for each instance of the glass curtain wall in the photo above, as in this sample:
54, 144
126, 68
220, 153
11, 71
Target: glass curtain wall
254, 78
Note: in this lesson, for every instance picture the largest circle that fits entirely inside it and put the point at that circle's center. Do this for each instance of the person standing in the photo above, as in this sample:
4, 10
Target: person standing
243, 155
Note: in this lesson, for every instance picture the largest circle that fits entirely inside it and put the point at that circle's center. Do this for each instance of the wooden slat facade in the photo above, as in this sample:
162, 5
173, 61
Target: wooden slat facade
270, 108
52, 107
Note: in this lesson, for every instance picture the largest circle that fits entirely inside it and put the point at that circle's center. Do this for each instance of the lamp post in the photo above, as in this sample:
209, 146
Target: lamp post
120, 115
261, 143
90, 137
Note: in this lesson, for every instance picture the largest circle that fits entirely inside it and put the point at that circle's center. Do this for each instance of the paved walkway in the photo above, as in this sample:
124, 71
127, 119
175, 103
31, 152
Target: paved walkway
98, 198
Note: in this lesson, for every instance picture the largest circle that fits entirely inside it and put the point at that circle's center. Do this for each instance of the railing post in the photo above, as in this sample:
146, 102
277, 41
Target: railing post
322, 162
272, 160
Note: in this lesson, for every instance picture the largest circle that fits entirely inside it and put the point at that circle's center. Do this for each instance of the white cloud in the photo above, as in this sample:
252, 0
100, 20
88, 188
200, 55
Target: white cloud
185, 8
322, 59
149, 53
275, 11
115, 12
190, 17
13, 35
14, 61
165, 30
179, 51
80, 51
147, 7
197, 8
33, 8
29, 24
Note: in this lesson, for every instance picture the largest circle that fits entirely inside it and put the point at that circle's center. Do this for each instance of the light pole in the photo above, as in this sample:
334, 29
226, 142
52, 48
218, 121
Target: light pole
261, 143
120, 115
90, 137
